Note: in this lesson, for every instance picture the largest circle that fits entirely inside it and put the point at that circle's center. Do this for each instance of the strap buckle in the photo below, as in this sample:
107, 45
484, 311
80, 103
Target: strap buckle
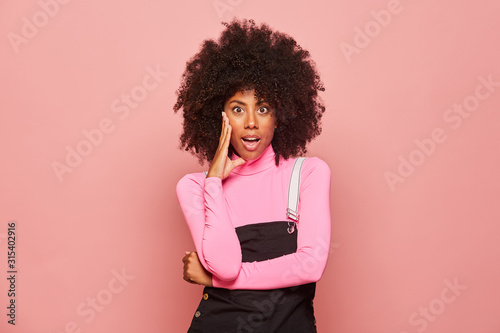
292, 215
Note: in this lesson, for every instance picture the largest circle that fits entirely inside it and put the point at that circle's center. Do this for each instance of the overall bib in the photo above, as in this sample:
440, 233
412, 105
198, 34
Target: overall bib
283, 310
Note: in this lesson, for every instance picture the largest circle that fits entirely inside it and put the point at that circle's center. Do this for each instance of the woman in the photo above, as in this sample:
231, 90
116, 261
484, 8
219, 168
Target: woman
250, 104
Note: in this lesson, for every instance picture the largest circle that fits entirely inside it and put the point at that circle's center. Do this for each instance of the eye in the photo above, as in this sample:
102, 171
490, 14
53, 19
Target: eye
263, 110
237, 109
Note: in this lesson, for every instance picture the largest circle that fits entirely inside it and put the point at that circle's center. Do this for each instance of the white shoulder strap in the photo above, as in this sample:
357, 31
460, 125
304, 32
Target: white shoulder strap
293, 190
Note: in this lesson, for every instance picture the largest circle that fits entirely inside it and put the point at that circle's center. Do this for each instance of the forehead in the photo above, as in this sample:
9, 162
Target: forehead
245, 96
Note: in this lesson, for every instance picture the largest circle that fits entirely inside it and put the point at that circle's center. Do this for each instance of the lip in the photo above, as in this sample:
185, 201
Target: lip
251, 145
251, 136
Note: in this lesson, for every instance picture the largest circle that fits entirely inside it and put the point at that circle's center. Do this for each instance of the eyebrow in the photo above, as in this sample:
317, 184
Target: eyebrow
237, 102
242, 103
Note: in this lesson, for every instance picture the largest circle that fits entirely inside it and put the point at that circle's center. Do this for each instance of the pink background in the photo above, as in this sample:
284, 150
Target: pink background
396, 248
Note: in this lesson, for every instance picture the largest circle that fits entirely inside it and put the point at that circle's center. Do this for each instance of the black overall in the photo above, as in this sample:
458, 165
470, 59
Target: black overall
284, 310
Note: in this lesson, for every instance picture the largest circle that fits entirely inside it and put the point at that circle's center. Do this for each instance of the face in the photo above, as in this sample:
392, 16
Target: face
252, 122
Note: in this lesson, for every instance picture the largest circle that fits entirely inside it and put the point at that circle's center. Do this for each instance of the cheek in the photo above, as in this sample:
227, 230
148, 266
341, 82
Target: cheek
233, 138
237, 125
234, 132
270, 129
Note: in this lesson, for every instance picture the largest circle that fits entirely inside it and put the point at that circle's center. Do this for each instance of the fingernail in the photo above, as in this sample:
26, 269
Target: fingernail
187, 252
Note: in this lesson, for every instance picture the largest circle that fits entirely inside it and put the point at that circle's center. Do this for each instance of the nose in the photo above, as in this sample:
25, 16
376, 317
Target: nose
251, 120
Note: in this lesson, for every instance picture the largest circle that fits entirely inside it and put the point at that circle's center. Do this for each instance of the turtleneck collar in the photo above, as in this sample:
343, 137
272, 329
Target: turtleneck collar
263, 162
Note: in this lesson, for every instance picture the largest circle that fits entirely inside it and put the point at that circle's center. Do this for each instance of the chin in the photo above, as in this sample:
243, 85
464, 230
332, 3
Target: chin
248, 156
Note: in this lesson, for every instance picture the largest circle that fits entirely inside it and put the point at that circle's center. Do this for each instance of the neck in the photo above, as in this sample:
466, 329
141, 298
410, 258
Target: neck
263, 162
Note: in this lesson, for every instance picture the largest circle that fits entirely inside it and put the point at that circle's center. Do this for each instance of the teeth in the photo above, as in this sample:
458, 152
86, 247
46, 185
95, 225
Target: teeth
250, 139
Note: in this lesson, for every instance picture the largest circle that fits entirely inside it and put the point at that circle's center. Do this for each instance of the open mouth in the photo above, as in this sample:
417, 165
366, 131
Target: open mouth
250, 142
251, 139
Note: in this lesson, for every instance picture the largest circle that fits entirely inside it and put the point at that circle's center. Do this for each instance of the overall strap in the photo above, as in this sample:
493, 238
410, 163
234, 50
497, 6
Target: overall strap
293, 194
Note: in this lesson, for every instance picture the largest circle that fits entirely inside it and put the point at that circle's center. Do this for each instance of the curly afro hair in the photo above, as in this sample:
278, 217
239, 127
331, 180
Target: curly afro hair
248, 56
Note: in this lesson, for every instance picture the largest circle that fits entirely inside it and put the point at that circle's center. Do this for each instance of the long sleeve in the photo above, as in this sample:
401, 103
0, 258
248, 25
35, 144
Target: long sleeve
313, 242
203, 205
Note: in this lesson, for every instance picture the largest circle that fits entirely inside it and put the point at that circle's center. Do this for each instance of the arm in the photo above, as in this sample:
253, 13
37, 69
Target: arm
214, 236
313, 242
204, 209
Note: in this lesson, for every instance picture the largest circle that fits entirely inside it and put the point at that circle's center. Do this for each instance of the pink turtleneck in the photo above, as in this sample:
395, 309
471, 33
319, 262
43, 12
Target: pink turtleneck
257, 192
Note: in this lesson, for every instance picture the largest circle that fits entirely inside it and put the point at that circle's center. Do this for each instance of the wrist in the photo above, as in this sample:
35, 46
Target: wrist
213, 174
